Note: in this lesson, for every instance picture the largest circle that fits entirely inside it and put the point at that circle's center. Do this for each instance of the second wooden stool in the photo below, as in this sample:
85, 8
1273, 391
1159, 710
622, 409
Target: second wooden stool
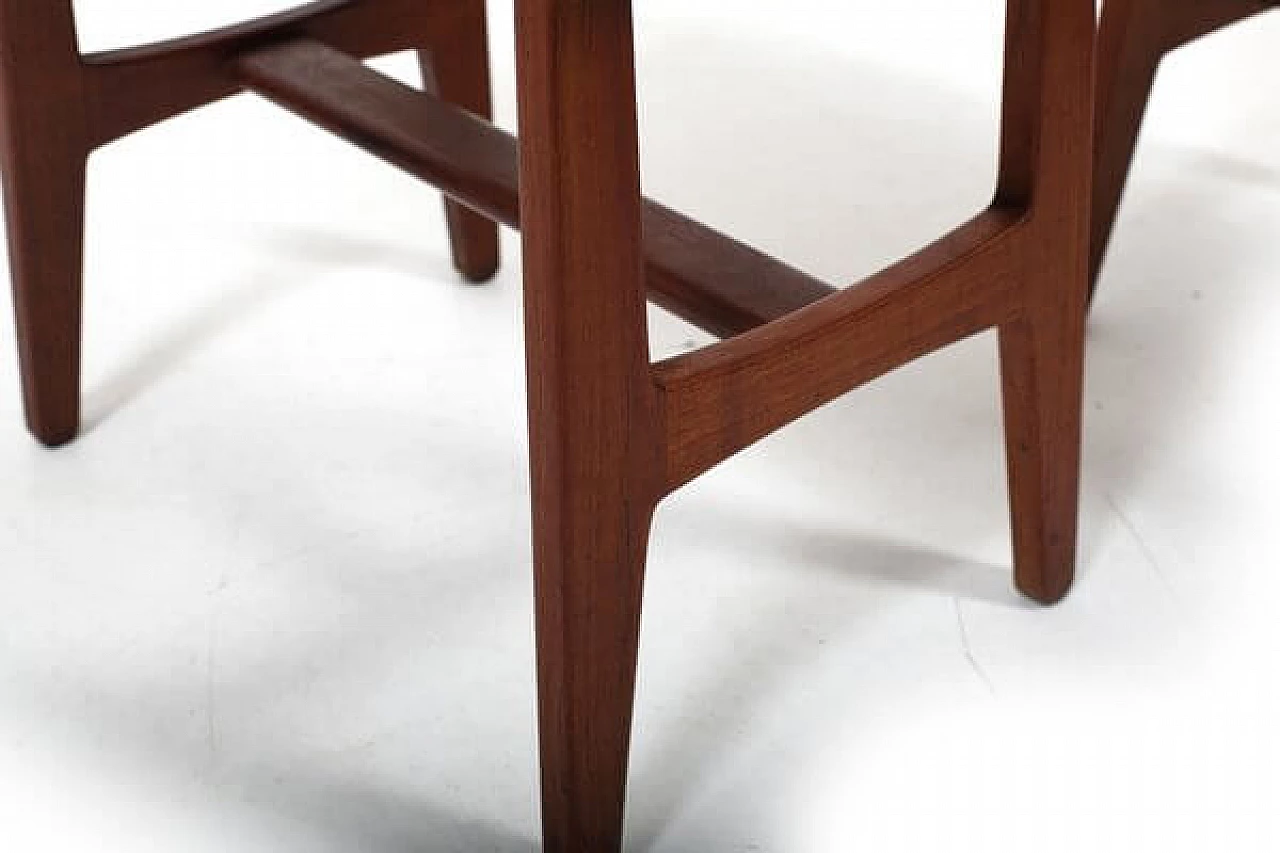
611, 433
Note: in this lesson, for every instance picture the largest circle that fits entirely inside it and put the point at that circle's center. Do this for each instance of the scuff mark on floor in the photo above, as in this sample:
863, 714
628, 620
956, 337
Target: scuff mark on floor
968, 648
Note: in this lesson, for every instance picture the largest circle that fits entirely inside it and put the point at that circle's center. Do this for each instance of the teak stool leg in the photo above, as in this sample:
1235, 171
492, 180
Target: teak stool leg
56, 106
593, 432
1046, 164
1133, 38
44, 146
1042, 360
457, 69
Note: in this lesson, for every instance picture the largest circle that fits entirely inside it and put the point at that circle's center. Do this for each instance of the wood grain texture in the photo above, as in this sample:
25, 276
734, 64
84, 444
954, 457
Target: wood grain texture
44, 145
57, 106
593, 427
1133, 39
456, 68
610, 433
1021, 266
133, 88
723, 398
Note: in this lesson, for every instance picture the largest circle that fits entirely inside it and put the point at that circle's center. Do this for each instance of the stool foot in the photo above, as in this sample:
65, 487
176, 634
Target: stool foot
45, 212
457, 70
1042, 362
590, 573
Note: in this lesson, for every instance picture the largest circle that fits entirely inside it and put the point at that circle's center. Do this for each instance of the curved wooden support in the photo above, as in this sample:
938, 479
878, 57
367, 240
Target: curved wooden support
1133, 39
1020, 266
723, 398
133, 88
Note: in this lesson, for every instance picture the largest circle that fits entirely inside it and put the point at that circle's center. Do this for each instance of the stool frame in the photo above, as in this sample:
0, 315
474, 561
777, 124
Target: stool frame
57, 106
611, 433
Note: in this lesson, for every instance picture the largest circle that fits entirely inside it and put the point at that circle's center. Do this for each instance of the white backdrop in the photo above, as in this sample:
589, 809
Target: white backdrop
278, 597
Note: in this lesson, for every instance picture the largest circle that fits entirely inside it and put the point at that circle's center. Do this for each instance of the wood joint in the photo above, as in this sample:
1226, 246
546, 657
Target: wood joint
721, 399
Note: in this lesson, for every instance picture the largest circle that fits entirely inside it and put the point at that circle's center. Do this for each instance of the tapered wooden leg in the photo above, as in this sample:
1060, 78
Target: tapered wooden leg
1047, 167
43, 145
457, 70
589, 568
1131, 43
594, 437
45, 216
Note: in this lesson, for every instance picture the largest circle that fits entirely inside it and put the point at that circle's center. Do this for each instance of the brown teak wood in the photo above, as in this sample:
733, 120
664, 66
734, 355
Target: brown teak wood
57, 106
611, 433
1134, 37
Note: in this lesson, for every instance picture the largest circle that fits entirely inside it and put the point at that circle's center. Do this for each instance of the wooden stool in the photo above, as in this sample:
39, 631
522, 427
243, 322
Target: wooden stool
1135, 35
611, 433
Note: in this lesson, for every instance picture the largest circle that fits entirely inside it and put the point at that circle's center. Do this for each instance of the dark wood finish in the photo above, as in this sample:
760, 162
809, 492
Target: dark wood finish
610, 433
1046, 166
133, 88
593, 409
457, 70
1019, 266
1134, 36
44, 146
949, 291
716, 283
58, 106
